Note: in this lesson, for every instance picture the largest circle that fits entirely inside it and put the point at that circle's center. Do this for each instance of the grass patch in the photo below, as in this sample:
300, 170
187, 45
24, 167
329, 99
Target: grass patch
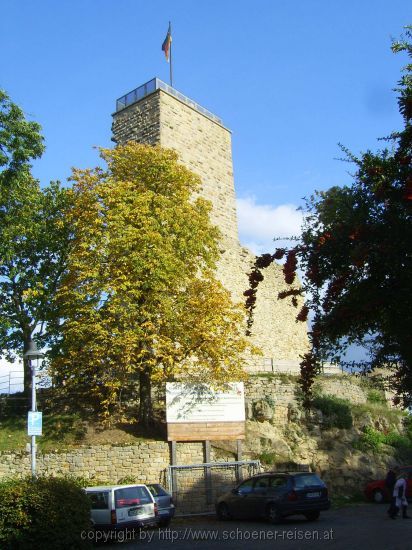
393, 416
13, 434
65, 431
58, 430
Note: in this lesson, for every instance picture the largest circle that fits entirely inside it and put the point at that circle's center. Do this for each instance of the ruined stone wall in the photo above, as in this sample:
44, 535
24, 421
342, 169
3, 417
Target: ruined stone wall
276, 425
204, 146
274, 398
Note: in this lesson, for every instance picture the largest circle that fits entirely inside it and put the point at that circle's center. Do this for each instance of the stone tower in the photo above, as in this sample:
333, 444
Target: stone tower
156, 113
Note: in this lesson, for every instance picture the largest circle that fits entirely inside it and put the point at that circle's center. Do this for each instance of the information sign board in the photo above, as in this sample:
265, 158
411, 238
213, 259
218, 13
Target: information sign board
34, 423
197, 412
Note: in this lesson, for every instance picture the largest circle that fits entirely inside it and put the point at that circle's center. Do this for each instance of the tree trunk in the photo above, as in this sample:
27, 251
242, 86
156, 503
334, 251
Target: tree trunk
146, 417
26, 370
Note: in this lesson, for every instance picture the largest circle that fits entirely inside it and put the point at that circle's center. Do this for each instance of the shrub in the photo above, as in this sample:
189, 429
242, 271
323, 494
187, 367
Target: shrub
376, 396
46, 512
268, 457
336, 411
407, 424
370, 440
401, 442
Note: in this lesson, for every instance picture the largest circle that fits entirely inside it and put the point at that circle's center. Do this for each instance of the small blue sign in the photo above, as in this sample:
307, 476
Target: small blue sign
34, 423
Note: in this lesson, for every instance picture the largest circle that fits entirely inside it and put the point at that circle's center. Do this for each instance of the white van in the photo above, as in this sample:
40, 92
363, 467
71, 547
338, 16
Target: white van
121, 506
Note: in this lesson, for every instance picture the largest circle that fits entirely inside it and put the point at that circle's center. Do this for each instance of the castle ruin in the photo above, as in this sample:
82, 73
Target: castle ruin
157, 114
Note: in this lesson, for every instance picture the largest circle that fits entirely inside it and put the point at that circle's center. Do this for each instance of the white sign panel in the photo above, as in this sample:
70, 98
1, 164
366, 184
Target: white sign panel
34, 423
199, 403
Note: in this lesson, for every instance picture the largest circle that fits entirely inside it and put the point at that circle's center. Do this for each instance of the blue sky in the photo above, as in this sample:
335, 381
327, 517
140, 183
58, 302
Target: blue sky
290, 79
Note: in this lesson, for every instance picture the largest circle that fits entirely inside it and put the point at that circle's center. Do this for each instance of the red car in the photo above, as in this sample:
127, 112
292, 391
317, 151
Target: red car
378, 492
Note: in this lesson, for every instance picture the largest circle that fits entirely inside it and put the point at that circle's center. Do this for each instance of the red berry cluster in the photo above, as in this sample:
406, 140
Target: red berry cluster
289, 267
308, 371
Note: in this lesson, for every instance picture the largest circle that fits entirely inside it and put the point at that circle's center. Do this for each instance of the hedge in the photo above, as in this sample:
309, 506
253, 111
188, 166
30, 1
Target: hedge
43, 513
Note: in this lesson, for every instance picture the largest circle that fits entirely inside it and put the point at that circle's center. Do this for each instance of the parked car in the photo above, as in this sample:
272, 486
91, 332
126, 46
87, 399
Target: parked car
275, 495
164, 501
121, 506
378, 492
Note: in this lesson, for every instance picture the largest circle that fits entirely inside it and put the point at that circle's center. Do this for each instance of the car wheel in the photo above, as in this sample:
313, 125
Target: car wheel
312, 516
378, 496
273, 514
223, 512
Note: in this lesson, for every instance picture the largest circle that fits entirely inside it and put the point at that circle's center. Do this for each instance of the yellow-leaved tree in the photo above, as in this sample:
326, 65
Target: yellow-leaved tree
140, 303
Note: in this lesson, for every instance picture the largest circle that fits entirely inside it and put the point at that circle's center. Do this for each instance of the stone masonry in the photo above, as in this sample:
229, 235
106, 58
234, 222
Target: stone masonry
274, 424
204, 146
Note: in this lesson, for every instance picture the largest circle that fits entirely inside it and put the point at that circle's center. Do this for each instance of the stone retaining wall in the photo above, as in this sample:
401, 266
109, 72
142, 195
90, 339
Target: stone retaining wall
146, 461
266, 398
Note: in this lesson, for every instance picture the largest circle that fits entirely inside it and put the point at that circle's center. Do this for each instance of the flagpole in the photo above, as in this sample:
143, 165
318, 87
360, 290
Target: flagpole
171, 47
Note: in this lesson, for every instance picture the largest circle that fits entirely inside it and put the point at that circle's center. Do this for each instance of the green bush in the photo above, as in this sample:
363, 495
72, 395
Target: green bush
43, 513
336, 411
407, 424
268, 457
370, 440
401, 442
376, 396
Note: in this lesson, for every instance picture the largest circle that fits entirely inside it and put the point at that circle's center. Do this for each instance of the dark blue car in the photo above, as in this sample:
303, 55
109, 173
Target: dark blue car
275, 495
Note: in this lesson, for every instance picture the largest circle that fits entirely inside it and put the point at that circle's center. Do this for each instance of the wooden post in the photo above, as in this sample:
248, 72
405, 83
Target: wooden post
208, 474
173, 460
239, 471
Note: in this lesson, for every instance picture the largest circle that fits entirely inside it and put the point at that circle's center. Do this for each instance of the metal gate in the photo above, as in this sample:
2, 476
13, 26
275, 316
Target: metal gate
195, 487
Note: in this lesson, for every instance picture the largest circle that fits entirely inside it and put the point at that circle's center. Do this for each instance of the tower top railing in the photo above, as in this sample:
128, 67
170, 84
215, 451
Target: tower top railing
156, 84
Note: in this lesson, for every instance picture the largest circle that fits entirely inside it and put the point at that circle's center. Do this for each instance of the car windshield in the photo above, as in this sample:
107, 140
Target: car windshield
157, 490
307, 480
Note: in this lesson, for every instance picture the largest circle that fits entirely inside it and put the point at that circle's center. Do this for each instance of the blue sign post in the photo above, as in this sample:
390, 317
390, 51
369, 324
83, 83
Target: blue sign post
34, 423
34, 420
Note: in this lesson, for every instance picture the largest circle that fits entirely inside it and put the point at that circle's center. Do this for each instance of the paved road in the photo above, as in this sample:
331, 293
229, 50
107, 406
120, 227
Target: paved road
364, 527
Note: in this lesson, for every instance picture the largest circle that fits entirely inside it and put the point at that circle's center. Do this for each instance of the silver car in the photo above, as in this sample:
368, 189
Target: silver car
122, 506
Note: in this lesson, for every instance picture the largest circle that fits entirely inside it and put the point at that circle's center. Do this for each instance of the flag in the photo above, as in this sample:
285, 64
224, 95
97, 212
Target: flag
167, 43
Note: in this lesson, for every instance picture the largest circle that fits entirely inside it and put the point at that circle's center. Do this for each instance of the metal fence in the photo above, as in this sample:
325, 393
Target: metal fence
156, 84
11, 382
271, 365
195, 487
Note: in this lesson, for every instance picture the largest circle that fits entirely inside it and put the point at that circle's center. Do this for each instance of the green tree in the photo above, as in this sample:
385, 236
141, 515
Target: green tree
356, 258
20, 141
139, 301
33, 237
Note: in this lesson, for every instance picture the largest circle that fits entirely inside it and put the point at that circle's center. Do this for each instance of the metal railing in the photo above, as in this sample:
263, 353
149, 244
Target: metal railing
195, 487
270, 365
156, 84
13, 382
